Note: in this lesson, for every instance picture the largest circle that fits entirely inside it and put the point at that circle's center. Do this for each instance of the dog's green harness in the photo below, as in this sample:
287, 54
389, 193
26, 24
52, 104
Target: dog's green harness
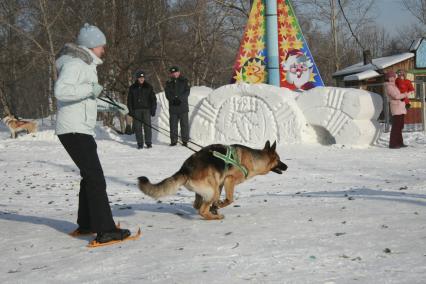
231, 158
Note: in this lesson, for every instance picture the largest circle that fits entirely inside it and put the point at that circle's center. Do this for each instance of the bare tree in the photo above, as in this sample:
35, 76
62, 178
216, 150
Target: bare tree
37, 29
16, 61
326, 21
374, 38
239, 6
3, 99
417, 8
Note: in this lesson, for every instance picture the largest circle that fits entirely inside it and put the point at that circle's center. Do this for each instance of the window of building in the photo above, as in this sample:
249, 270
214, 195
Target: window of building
418, 83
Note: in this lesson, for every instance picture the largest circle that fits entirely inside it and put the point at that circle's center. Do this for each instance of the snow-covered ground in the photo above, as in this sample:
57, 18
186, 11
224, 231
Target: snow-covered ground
338, 215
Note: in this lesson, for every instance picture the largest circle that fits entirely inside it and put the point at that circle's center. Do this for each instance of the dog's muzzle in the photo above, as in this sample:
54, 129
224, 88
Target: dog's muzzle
279, 168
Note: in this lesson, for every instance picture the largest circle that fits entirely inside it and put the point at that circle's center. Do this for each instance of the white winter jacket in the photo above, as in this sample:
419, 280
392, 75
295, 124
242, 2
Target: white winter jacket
77, 108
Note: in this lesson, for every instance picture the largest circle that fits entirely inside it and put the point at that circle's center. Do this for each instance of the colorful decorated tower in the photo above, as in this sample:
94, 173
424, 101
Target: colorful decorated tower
273, 49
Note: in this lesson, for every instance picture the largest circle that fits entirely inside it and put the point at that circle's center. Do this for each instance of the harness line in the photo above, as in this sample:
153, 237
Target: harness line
231, 158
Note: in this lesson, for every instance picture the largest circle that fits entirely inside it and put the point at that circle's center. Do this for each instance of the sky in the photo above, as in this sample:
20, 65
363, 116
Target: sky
392, 15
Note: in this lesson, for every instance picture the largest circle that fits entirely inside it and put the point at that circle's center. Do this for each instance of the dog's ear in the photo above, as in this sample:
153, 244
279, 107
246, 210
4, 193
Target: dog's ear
267, 145
274, 146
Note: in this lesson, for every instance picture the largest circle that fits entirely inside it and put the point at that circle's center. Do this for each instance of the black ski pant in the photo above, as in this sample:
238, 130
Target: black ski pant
181, 118
142, 117
94, 212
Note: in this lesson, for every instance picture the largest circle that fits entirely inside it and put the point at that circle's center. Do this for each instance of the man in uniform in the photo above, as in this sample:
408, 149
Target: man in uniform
142, 104
177, 92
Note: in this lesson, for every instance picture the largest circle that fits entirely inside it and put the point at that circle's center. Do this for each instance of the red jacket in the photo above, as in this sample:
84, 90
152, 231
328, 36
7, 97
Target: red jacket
404, 86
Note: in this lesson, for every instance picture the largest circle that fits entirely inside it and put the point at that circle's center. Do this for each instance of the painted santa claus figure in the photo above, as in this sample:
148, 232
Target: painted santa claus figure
298, 68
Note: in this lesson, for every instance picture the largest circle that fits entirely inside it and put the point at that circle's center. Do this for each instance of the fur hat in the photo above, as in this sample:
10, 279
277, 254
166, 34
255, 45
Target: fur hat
91, 36
390, 74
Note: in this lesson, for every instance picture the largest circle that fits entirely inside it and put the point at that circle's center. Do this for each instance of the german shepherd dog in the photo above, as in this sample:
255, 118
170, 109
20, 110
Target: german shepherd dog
205, 174
16, 126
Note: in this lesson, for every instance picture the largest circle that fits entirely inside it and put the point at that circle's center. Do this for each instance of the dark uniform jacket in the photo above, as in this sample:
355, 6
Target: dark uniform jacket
141, 97
177, 92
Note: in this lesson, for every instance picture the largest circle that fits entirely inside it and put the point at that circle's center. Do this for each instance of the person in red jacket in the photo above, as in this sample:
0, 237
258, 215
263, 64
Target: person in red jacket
404, 85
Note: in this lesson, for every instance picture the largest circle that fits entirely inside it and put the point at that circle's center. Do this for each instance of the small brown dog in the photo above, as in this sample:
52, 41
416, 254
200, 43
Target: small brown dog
16, 126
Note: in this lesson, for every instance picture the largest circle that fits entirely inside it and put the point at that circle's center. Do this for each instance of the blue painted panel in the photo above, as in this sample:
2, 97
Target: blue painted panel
421, 55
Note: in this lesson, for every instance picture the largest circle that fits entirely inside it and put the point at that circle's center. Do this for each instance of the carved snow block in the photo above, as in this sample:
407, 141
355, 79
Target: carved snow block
249, 115
342, 115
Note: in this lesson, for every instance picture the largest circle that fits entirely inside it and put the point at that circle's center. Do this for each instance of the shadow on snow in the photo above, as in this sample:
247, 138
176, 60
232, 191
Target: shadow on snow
367, 194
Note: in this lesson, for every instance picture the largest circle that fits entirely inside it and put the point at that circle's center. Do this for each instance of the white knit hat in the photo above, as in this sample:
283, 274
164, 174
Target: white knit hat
91, 36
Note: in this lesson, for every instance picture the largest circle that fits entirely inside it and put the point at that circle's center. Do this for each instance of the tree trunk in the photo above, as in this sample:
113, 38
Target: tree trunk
3, 100
334, 35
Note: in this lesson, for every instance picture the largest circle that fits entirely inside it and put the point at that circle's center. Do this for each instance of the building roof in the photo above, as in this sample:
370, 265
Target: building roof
364, 75
415, 44
378, 64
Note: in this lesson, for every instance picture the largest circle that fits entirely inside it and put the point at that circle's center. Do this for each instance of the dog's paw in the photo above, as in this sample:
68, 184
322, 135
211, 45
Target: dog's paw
220, 216
223, 203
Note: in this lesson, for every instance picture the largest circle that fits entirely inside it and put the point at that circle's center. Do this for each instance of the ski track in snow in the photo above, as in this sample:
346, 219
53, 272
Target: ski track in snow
329, 219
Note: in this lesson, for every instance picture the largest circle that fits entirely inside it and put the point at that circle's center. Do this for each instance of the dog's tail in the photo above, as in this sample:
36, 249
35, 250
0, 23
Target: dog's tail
168, 186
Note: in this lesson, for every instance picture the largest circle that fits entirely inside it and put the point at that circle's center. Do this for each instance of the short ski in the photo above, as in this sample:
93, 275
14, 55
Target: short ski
95, 244
76, 233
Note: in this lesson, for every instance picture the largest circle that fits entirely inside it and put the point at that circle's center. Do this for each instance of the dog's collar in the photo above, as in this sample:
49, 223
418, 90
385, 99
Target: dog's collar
231, 158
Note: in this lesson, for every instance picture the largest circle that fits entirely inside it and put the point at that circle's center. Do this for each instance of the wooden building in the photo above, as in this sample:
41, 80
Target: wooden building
369, 75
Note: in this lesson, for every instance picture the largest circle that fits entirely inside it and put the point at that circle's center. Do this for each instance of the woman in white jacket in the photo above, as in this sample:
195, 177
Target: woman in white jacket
76, 91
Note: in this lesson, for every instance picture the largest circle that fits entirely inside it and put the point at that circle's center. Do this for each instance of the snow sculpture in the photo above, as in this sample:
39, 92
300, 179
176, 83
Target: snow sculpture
342, 115
250, 114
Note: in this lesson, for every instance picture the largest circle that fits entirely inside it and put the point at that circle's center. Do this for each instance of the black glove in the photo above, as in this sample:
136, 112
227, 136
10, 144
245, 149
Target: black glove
176, 102
153, 112
407, 106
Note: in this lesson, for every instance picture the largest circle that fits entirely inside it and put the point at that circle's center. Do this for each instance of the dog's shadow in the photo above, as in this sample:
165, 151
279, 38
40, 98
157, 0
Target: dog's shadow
183, 210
